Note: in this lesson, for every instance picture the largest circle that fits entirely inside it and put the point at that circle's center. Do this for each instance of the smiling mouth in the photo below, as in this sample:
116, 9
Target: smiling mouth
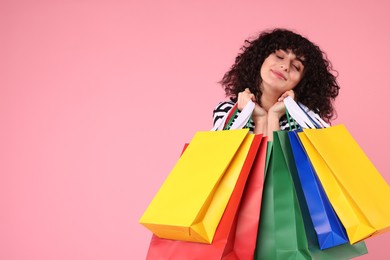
279, 75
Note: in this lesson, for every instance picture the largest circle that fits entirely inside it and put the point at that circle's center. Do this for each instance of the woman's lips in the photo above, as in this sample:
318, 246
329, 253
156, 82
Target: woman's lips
279, 74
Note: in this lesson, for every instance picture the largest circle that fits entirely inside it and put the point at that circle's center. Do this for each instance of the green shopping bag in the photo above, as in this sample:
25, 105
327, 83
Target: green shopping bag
285, 228
281, 232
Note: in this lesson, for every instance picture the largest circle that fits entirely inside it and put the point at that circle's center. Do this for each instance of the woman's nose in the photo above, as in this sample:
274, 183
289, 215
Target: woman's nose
284, 66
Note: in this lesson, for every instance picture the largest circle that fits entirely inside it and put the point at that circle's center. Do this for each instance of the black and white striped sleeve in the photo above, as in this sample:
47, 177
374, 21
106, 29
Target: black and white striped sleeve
221, 110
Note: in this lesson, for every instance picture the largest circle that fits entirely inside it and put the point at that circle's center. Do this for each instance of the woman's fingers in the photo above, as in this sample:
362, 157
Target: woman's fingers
244, 97
286, 94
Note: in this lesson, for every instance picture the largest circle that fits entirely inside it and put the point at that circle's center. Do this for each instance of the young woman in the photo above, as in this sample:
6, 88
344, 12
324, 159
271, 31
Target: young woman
277, 64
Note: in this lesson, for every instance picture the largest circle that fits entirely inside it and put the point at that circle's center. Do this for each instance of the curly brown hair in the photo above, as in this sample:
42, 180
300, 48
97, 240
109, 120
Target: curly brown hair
317, 89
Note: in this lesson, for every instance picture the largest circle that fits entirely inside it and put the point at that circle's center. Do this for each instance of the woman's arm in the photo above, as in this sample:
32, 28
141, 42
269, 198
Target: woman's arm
275, 113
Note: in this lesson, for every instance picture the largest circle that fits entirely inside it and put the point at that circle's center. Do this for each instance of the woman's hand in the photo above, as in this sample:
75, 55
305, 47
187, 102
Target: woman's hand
259, 115
279, 109
275, 113
243, 99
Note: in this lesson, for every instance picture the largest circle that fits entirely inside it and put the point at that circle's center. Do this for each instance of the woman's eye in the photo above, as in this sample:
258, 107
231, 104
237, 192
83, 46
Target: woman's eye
297, 67
279, 57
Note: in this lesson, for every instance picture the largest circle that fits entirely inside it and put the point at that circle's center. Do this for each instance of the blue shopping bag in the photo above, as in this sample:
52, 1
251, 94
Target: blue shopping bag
329, 230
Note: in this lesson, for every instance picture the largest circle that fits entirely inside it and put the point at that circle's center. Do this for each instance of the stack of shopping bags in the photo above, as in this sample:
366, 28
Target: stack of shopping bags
310, 194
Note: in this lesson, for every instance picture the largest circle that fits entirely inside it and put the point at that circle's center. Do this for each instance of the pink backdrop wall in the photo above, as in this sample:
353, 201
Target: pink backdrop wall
98, 97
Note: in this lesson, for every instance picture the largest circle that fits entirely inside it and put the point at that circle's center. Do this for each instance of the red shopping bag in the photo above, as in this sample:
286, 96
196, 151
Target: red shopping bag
224, 239
248, 216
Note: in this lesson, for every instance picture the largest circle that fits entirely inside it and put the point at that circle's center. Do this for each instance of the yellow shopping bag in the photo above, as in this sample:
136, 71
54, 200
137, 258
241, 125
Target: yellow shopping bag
191, 201
356, 190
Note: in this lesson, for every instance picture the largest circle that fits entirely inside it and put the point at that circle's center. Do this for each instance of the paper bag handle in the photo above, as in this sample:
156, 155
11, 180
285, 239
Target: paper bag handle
302, 115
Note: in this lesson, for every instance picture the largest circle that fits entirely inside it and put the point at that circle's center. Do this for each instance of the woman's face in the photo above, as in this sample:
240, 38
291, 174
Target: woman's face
281, 71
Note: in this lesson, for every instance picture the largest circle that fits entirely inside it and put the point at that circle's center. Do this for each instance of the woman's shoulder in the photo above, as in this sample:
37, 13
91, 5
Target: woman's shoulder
221, 110
223, 107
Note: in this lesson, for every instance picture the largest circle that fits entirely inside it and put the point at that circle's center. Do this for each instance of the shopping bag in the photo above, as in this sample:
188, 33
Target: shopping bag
243, 243
192, 199
343, 251
353, 185
356, 190
286, 231
281, 229
165, 249
190, 203
328, 227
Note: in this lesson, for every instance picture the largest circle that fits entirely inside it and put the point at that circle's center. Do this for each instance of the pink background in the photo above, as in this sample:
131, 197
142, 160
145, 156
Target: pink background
98, 97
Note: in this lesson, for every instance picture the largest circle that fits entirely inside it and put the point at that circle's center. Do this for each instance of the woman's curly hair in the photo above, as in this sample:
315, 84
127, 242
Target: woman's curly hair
318, 87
